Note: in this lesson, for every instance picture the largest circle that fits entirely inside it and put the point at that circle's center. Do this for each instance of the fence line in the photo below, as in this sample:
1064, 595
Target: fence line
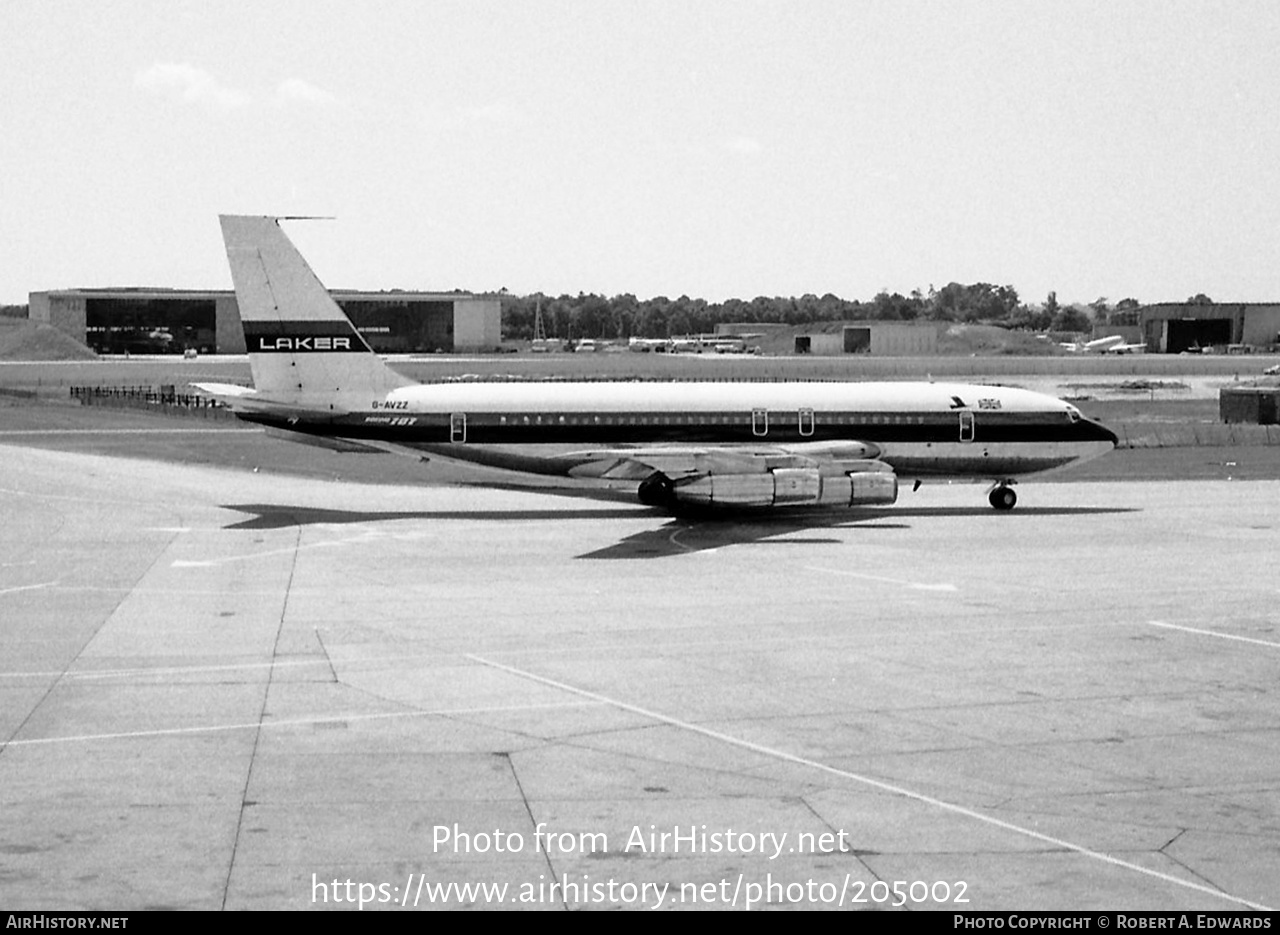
163, 399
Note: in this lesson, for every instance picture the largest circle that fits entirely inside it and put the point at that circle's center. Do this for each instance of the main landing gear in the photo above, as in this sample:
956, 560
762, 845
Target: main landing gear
1002, 496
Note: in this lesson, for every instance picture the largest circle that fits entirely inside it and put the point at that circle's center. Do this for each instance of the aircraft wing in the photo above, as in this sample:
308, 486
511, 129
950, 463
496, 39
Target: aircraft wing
637, 463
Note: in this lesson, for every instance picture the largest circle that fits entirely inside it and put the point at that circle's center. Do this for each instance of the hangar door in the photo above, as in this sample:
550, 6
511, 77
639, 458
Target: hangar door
149, 325
857, 340
402, 326
1188, 333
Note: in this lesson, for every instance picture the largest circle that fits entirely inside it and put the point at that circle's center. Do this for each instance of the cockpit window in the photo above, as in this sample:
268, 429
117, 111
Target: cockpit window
1073, 414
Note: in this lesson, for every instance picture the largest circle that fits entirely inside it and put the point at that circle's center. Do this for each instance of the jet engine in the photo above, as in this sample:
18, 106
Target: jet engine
874, 483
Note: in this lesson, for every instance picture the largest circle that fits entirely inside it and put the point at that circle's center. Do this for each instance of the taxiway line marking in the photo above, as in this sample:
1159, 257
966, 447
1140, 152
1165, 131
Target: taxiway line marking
27, 587
868, 781
364, 662
1222, 636
676, 542
918, 585
97, 501
90, 674
24, 432
210, 563
291, 722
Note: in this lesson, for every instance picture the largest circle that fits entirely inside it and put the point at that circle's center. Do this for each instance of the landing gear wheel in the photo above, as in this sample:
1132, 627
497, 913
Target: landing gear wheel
1003, 498
656, 490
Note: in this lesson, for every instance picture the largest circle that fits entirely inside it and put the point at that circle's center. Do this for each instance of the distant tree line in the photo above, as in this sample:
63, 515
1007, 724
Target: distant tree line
13, 311
588, 315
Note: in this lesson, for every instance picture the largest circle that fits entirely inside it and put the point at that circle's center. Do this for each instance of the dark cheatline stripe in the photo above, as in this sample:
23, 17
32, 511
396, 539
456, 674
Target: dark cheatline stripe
437, 432
663, 428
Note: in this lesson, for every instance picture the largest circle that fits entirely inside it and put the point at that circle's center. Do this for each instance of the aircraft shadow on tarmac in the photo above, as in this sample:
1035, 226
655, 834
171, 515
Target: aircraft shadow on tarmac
696, 531
280, 516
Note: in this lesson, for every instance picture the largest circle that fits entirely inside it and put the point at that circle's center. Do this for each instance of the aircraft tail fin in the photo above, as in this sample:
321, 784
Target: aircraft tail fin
300, 343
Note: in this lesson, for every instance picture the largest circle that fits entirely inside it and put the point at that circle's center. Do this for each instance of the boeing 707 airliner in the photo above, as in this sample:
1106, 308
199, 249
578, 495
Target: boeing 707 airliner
685, 444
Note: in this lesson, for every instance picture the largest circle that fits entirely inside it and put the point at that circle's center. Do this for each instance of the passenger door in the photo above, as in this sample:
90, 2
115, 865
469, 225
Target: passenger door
760, 422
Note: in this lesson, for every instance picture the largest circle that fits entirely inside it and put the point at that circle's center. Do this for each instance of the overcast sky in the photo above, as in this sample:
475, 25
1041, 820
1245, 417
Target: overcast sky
713, 149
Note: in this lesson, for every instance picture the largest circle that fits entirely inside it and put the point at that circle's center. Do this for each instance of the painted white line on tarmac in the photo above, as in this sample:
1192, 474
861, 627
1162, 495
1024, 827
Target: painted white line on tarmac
30, 432
674, 540
292, 722
360, 664
1222, 636
93, 674
73, 499
868, 781
27, 587
364, 663
916, 585
326, 544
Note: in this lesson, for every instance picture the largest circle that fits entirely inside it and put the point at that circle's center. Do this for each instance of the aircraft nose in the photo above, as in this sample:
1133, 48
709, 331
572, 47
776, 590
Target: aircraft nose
1102, 433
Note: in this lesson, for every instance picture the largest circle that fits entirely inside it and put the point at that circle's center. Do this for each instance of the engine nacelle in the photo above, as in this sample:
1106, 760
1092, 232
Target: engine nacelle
874, 488
727, 490
792, 487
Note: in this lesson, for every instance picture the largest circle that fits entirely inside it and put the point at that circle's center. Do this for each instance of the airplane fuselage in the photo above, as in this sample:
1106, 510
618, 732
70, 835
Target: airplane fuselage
925, 430
694, 444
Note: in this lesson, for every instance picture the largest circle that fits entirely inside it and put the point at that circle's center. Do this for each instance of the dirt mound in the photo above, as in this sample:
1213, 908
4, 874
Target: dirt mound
22, 339
990, 340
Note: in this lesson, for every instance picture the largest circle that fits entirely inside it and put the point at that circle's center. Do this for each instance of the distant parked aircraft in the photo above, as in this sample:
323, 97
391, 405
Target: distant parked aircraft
1114, 344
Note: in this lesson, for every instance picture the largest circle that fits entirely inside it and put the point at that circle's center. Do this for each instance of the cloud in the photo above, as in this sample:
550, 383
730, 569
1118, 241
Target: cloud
743, 145
297, 91
489, 113
184, 82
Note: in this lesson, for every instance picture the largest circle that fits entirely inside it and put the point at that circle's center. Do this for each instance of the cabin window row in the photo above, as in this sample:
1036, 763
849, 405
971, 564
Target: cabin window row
776, 419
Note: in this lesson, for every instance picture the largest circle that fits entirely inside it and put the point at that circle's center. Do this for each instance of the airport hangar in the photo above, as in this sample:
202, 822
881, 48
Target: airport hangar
880, 338
137, 320
1165, 328
1174, 327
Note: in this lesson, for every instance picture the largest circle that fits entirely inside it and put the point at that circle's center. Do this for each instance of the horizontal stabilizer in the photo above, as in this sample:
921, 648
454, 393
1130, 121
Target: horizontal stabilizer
224, 390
